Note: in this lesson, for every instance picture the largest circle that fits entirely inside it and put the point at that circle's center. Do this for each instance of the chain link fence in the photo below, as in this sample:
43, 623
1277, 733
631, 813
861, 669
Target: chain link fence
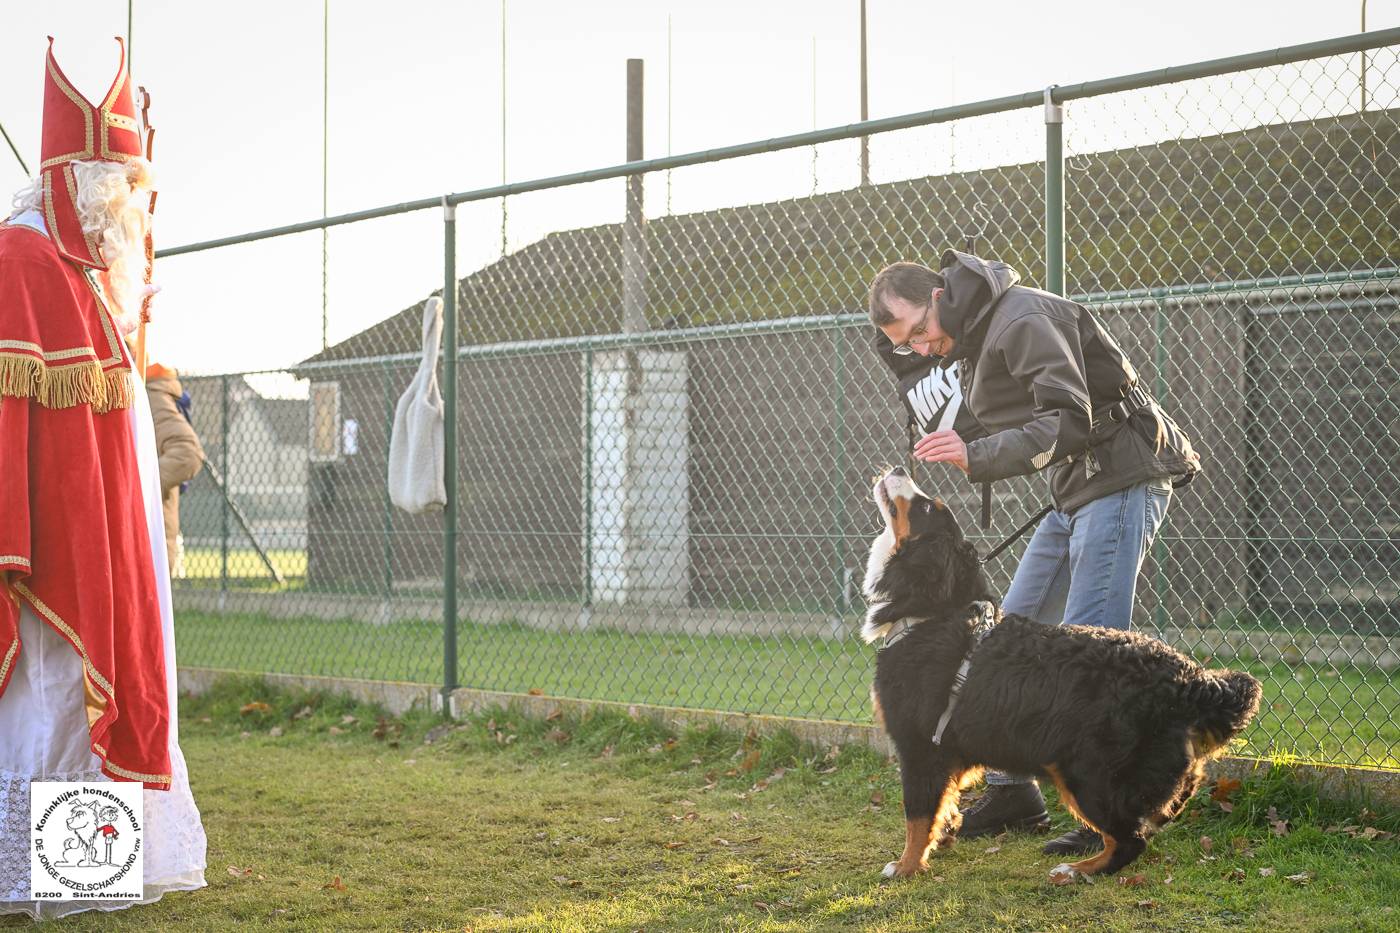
664, 461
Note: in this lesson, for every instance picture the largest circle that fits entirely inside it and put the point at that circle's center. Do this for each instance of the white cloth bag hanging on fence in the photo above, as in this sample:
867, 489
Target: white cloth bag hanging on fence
416, 467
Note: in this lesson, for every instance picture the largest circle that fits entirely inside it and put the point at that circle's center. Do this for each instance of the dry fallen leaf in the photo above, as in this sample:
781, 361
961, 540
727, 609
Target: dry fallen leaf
569, 882
1235, 874
750, 760
1279, 827
1132, 881
1147, 905
1301, 878
1223, 788
239, 872
275, 732
675, 845
535, 692
612, 819
993, 850
1206, 844
348, 720
877, 798
257, 706
553, 714
336, 884
1266, 872
557, 735
303, 712
336, 730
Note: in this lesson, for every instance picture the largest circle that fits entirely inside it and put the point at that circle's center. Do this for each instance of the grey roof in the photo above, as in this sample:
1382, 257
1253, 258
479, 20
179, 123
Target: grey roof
1271, 200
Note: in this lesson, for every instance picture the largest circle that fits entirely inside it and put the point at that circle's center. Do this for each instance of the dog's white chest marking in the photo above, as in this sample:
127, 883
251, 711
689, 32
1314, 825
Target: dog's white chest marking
880, 552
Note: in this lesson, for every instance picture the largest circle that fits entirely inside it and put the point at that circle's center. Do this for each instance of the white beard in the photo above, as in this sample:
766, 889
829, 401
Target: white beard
124, 280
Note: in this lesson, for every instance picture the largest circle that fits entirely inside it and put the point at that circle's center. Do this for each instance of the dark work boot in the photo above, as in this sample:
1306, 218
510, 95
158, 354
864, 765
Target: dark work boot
1003, 808
1081, 841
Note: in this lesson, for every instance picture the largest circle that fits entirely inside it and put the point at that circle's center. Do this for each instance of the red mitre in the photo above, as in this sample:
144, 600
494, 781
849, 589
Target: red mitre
77, 131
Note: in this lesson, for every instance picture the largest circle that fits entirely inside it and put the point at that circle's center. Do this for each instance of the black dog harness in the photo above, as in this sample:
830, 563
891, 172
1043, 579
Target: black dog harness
986, 621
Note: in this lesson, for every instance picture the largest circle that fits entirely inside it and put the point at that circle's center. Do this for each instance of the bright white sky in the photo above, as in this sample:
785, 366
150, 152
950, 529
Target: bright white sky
415, 111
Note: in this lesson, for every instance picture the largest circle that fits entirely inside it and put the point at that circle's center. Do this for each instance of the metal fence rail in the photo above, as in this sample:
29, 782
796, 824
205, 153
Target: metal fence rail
661, 431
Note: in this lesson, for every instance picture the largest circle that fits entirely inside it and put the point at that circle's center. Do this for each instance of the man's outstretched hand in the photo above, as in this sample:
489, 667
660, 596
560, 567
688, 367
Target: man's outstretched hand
942, 447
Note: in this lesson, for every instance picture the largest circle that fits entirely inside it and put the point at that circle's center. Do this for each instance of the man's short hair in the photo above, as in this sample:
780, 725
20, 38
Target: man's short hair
911, 281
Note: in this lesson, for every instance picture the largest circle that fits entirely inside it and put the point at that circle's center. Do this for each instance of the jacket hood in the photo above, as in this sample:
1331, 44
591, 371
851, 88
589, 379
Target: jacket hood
971, 289
901, 366
166, 382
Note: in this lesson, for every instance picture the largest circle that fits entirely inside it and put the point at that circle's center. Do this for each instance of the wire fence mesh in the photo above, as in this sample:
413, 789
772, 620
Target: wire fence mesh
663, 464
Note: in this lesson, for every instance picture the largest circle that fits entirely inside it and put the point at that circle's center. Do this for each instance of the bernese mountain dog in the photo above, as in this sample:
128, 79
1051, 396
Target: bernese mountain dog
1120, 723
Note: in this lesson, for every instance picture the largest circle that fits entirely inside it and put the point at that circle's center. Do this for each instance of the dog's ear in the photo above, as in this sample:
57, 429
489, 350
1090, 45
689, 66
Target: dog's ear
943, 575
954, 572
971, 574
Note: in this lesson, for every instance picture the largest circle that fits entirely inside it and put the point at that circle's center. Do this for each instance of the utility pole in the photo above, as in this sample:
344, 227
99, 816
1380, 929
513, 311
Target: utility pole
504, 241
634, 287
864, 104
1363, 59
325, 168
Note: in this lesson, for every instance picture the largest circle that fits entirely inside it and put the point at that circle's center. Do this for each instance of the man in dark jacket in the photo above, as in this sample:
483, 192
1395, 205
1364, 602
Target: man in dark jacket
1045, 388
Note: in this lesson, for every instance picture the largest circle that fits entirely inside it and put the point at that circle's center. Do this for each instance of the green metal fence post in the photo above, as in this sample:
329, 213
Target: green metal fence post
1054, 194
838, 446
223, 469
449, 446
587, 484
388, 505
1159, 543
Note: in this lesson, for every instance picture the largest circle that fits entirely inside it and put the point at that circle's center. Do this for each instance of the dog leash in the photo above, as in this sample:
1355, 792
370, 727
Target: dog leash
1016, 536
986, 621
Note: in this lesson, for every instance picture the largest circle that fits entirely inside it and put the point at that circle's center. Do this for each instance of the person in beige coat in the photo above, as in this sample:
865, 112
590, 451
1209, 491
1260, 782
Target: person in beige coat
181, 455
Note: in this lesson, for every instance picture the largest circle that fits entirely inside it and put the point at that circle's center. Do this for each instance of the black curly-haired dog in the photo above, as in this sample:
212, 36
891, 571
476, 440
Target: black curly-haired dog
1121, 723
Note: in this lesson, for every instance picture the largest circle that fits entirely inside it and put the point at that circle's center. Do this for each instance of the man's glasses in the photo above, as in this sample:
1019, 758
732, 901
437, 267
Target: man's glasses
907, 347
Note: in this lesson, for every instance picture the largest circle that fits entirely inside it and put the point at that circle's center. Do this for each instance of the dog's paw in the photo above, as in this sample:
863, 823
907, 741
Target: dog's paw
1064, 873
900, 870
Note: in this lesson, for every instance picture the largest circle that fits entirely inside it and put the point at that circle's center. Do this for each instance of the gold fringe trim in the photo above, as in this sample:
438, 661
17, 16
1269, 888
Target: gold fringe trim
130, 775
9, 659
23, 376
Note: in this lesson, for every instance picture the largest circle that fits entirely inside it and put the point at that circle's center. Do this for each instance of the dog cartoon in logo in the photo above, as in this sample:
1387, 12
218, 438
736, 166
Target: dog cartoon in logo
82, 845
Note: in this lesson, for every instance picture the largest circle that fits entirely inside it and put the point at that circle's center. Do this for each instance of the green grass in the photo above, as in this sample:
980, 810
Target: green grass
207, 563
1340, 715
609, 823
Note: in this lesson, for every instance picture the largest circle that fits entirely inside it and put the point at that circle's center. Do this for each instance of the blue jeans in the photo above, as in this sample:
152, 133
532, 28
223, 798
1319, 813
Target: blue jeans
1081, 567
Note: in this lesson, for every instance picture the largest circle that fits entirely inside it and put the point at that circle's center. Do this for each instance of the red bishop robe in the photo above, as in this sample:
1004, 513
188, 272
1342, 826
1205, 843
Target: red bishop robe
73, 539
